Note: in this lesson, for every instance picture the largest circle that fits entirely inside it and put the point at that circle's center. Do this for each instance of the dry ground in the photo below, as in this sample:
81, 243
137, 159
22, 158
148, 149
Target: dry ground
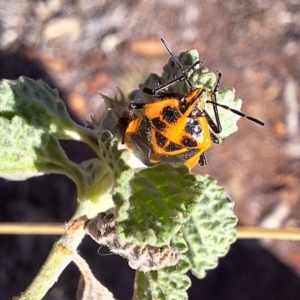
89, 47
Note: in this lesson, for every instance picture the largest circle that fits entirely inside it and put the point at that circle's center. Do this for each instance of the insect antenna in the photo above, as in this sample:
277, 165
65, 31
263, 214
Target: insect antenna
184, 77
237, 112
178, 64
174, 58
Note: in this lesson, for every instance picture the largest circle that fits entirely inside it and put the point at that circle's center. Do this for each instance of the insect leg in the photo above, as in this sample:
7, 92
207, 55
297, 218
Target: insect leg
218, 128
214, 138
203, 160
162, 95
133, 106
213, 126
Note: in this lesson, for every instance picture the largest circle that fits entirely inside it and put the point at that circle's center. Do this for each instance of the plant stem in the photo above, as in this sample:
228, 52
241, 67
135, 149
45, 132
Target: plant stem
59, 257
89, 137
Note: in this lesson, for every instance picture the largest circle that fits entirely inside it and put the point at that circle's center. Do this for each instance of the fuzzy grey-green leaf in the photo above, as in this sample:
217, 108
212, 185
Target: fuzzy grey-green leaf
153, 204
211, 229
38, 104
30, 115
169, 283
26, 151
115, 109
115, 159
18, 144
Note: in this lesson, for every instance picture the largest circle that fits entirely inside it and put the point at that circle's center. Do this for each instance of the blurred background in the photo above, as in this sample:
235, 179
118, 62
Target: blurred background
84, 48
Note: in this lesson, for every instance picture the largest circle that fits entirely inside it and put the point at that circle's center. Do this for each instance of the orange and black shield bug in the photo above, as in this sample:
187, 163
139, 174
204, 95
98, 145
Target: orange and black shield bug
176, 127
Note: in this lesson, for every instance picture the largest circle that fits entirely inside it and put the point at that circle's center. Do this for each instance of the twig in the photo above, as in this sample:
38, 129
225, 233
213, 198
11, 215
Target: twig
267, 233
243, 232
28, 228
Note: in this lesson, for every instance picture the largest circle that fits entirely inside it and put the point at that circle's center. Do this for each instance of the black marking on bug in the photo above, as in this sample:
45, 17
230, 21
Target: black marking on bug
183, 105
158, 124
193, 128
181, 158
170, 114
173, 147
188, 142
160, 139
140, 141
196, 113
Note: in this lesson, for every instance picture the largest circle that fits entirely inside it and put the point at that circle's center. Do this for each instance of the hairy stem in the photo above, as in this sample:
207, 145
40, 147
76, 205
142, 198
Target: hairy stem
59, 257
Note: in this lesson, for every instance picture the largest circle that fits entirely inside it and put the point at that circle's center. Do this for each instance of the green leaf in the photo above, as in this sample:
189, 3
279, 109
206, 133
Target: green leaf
100, 183
167, 284
38, 104
18, 149
115, 109
31, 118
26, 151
114, 158
153, 204
101, 174
203, 78
211, 229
